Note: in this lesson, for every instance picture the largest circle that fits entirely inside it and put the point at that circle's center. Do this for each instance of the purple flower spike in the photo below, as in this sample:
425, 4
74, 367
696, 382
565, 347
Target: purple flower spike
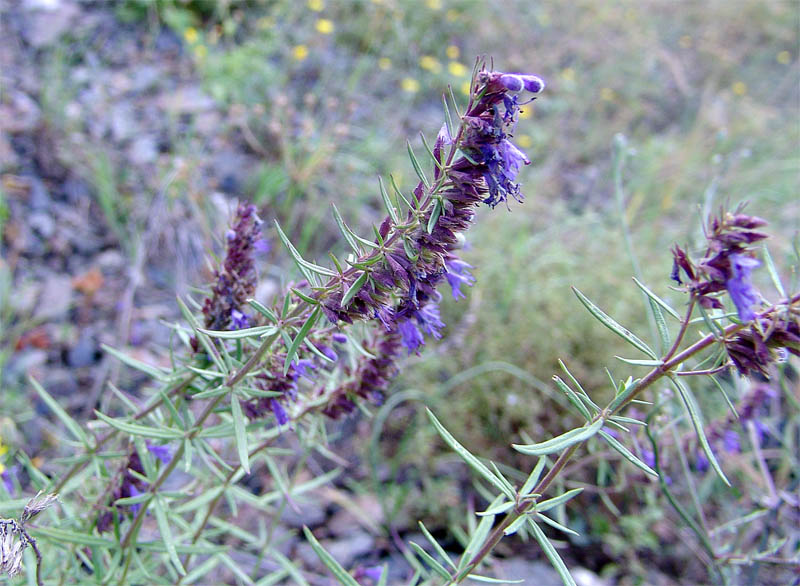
512, 82
430, 321
739, 287
458, 273
7, 476
262, 246
134, 492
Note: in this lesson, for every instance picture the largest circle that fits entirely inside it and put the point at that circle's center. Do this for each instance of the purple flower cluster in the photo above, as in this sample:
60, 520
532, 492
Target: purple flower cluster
415, 256
727, 264
236, 279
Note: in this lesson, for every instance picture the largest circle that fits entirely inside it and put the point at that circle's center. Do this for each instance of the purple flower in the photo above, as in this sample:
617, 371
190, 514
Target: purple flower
515, 82
503, 162
701, 462
305, 368
163, 453
739, 287
262, 246
410, 335
429, 320
458, 273
730, 441
649, 458
7, 476
279, 411
134, 492
329, 352
239, 320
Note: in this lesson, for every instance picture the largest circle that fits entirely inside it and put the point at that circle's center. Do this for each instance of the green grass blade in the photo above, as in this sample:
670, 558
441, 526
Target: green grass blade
292, 351
627, 454
417, 166
166, 535
431, 561
439, 549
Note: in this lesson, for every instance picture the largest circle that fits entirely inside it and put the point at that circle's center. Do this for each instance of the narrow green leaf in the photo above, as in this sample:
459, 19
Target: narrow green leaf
629, 420
400, 193
448, 118
439, 549
627, 454
353, 290
515, 525
151, 371
637, 362
559, 500
471, 460
140, 430
344, 230
240, 429
434, 217
497, 509
302, 264
431, 561
773, 273
612, 325
555, 524
697, 421
551, 553
166, 535
292, 351
488, 580
664, 305
263, 310
533, 477
581, 391
572, 397
411, 253
661, 325
430, 152
59, 412
417, 166
561, 442
63, 536
239, 334
387, 202
327, 559
304, 297
478, 536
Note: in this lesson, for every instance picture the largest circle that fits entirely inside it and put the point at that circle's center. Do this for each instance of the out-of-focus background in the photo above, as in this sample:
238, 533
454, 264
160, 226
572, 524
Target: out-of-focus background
129, 129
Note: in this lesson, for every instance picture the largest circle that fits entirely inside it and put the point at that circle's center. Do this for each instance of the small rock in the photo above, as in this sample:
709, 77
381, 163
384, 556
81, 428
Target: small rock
20, 114
84, 353
143, 150
309, 513
346, 550
43, 223
45, 26
122, 121
55, 299
144, 77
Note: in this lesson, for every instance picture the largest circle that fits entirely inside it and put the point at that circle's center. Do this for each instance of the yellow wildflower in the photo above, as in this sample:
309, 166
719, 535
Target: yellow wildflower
190, 34
451, 15
568, 74
430, 63
466, 87
316, 5
452, 52
457, 69
410, 85
434, 4
739, 88
324, 26
300, 52
607, 94
385, 63
524, 141
784, 57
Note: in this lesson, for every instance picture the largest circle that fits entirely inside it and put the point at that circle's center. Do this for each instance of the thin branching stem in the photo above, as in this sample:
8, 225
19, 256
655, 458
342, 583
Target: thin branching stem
671, 361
